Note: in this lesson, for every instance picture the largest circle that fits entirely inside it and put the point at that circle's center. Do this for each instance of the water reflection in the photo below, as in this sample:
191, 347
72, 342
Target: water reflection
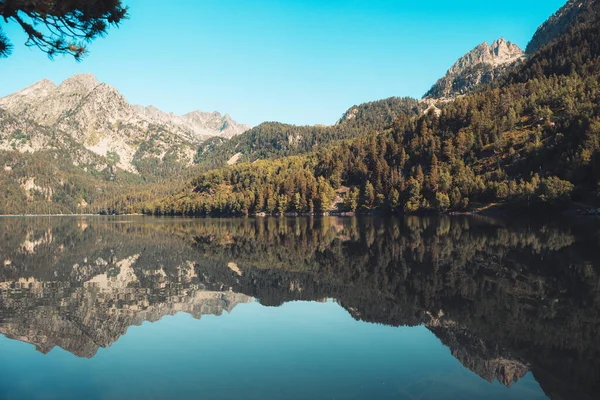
506, 297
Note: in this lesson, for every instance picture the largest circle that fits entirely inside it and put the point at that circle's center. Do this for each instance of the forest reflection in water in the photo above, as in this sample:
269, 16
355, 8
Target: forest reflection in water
507, 297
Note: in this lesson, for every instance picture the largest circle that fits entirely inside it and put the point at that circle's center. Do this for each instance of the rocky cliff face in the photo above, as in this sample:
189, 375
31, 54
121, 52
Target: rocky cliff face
98, 117
557, 24
479, 66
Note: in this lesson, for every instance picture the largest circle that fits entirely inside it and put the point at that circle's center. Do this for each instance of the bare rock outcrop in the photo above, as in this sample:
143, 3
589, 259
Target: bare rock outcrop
479, 66
99, 118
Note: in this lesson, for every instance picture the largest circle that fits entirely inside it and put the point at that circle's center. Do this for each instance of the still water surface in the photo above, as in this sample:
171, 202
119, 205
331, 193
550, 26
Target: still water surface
299, 308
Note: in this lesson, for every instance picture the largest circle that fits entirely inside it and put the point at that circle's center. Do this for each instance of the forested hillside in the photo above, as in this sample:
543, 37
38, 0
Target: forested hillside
74, 146
275, 140
532, 139
45, 170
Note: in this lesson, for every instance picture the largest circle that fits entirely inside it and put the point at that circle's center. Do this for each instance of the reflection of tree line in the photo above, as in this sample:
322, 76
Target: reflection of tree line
533, 291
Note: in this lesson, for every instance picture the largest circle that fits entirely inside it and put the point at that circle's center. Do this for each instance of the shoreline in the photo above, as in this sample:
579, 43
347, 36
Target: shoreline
497, 210
66, 215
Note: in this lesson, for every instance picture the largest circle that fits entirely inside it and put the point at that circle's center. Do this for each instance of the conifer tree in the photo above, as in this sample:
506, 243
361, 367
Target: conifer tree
60, 26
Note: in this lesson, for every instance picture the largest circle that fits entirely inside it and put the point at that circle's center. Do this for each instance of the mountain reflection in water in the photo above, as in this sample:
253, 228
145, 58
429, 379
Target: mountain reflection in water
506, 297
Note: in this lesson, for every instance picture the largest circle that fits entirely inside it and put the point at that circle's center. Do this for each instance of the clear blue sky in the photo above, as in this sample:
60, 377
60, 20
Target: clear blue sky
301, 62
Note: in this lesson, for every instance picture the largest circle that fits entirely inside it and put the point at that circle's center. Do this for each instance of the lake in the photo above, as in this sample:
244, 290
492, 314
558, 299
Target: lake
299, 308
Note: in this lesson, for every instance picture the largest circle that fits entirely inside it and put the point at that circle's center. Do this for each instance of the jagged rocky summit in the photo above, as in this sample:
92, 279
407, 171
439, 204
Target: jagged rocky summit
96, 116
479, 66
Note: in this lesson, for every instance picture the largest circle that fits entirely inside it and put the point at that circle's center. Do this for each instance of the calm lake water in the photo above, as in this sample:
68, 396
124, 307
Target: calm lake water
299, 308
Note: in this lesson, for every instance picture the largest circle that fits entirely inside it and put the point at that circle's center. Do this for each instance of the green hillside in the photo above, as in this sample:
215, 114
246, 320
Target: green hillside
275, 140
532, 139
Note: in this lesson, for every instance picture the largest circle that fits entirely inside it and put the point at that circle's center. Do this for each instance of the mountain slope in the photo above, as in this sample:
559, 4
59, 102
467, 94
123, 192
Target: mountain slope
478, 67
557, 24
97, 116
274, 139
531, 141
73, 147
45, 170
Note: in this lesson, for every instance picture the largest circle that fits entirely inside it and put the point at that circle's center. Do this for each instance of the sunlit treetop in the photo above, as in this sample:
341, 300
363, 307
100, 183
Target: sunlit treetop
60, 26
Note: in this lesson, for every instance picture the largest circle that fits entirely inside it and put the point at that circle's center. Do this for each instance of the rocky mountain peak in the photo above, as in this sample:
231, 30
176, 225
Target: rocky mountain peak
499, 53
80, 82
104, 89
478, 66
31, 93
98, 117
505, 51
501, 47
198, 124
44, 86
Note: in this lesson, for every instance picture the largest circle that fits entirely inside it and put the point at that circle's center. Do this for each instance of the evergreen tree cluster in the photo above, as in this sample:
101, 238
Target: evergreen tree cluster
275, 140
60, 26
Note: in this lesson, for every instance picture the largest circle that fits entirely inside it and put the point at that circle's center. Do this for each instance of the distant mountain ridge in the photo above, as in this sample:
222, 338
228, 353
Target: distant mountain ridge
97, 116
35, 99
199, 123
68, 148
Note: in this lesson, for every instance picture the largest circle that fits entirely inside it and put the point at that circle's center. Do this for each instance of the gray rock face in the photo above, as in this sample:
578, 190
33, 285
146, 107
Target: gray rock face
479, 66
499, 53
97, 116
196, 123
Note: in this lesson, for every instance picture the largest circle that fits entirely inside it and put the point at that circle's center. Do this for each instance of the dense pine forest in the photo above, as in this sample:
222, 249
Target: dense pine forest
530, 139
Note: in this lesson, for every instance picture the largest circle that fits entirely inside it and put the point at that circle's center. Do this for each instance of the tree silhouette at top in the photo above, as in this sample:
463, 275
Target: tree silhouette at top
60, 26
